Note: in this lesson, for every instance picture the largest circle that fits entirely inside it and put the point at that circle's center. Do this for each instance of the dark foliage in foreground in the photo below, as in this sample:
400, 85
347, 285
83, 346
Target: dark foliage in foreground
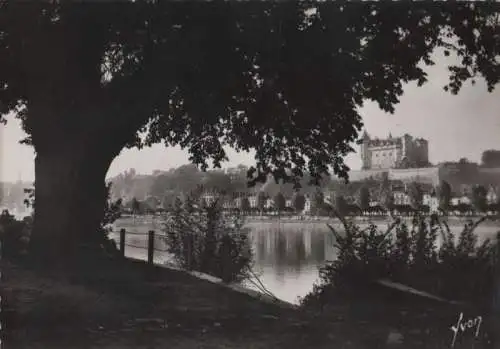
112, 211
408, 255
202, 238
14, 235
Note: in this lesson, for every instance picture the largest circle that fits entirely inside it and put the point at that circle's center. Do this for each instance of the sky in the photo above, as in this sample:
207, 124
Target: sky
456, 126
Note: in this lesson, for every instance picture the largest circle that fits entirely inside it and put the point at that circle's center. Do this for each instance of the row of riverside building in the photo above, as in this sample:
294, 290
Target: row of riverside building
400, 196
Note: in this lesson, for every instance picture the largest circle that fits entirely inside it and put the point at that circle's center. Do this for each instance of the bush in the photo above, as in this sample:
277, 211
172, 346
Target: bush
112, 211
14, 235
457, 270
206, 240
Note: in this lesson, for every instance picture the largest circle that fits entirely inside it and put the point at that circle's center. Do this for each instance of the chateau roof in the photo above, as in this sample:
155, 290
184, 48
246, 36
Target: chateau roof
390, 140
384, 142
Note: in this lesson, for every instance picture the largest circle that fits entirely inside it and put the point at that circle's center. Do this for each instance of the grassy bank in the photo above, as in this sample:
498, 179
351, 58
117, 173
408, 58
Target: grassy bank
130, 305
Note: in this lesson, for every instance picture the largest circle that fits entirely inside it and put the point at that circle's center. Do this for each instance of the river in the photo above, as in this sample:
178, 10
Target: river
287, 254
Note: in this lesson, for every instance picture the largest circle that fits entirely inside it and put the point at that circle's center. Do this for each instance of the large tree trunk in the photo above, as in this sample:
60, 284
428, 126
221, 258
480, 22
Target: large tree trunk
70, 196
77, 126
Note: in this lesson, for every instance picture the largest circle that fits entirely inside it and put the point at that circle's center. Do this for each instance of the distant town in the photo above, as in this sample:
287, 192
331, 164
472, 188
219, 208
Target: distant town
396, 174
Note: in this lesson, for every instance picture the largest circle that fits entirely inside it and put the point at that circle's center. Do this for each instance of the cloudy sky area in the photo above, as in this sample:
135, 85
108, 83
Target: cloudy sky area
456, 126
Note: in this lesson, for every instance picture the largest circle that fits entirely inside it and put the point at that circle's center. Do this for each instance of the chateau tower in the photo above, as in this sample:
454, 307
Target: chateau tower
365, 151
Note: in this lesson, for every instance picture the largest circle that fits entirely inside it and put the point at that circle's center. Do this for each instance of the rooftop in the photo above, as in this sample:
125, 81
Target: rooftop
384, 142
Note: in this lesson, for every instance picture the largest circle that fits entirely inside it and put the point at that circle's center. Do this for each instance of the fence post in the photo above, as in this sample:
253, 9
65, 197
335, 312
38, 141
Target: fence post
493, 320
151, 246
496, 278
122, 242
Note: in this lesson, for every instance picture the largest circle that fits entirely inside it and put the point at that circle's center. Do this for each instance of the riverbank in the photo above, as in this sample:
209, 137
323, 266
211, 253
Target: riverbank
452, 220
128, 304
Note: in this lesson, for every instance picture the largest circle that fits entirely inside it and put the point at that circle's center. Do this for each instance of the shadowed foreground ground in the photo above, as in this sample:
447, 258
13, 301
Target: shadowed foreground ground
129, 305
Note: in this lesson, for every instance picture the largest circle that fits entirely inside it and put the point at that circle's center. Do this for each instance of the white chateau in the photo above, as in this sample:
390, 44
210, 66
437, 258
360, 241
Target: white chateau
394, 152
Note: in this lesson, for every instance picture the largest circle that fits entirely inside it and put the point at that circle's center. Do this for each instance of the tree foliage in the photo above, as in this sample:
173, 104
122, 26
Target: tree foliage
206, 240
490, 158
151, 203
188, 178
384, 188
279, 202
203, 203
444, 195
242, 71
217, 180
181, 179
245, 205
317, 201
341, 205
412, 258
298, 201
168, 200
415, 193
137, 207
112, 210
478, 198
385, 194
364, 198
29, 200
387, 200
261, 200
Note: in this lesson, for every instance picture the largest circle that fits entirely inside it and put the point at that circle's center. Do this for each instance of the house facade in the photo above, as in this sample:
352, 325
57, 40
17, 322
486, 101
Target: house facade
307, 204
492, 195
401, 198
463, 199
253, 201
432, 201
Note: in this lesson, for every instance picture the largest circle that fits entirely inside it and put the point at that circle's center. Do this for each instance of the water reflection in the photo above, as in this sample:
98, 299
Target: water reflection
288, 256
291, 248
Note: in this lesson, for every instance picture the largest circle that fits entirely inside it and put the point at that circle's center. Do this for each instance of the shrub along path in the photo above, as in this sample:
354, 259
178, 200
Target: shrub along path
127, 304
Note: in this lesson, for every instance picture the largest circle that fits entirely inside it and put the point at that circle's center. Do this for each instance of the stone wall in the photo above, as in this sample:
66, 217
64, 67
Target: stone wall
426, 175
356, 176
455, 176
490, 175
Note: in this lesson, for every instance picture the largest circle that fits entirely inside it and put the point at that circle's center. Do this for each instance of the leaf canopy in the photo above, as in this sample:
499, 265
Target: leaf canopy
284, 78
